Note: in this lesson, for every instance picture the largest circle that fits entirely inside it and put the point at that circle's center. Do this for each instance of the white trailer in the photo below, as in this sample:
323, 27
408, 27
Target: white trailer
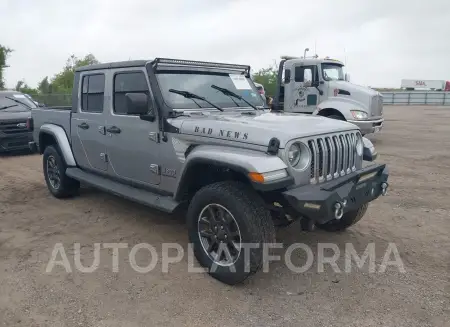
412, 84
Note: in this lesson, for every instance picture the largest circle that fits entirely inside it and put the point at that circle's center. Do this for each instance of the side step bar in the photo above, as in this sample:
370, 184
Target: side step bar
163, 203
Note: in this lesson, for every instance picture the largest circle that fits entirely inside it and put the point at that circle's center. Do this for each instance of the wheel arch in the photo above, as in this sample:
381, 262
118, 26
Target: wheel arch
209, 164
326, 112
50, 134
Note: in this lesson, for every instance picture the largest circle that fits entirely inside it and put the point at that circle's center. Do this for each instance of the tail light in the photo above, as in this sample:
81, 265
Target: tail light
30, 125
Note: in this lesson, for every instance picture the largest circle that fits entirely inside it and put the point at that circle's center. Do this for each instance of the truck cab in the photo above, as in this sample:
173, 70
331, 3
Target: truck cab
319, 86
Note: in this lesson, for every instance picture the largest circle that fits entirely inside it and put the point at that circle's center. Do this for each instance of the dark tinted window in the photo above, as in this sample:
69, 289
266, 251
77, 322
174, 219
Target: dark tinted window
93, 88
133, 82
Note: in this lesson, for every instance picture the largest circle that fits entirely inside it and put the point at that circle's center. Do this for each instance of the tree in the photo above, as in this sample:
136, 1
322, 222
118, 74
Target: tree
44, 86
268, 78
23, 87
4, 52
63, 81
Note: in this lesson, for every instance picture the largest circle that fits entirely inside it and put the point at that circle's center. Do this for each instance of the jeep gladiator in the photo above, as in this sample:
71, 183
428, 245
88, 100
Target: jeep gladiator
177, 134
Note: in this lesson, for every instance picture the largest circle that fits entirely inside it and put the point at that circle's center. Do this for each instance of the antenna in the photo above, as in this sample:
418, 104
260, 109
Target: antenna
315, 48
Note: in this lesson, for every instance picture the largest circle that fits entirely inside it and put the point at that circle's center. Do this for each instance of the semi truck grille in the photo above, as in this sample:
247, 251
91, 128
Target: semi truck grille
13, 127
376, 106
333, 156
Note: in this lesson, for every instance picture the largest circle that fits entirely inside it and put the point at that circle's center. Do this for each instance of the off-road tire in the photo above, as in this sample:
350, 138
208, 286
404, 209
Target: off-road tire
348, 219
254, 222
68, 186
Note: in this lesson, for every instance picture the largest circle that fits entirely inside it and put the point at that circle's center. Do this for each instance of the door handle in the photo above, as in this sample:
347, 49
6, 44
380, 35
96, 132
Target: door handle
113, 130
83, 126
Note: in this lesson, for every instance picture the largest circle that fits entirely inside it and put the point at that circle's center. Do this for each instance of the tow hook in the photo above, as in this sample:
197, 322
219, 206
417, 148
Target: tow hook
339, 210
384, 187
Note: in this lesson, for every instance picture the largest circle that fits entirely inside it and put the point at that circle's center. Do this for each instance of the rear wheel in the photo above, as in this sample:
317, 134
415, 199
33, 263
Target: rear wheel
54, 166
222, 219
348, 219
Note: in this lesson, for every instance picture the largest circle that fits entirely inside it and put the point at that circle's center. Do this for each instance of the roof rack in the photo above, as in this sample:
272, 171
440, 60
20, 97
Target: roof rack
179, 62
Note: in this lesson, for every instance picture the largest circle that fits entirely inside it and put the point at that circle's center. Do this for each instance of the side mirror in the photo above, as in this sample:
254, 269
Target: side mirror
369, 152
138, 104
347, 77
41, 105
315, 83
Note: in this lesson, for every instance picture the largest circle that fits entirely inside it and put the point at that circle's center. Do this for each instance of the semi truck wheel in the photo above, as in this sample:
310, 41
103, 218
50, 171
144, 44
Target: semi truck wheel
348, 219
54, 166
223, 218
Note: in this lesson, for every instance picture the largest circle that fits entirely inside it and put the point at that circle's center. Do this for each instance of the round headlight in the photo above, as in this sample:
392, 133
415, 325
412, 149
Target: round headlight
359, 147
294, 154
299, 156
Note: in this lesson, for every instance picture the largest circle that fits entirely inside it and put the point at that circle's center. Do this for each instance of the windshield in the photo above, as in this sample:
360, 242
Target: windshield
4, 101
332, 72
200, 83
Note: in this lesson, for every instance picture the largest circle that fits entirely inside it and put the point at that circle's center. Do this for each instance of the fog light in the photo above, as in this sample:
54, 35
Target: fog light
384, 187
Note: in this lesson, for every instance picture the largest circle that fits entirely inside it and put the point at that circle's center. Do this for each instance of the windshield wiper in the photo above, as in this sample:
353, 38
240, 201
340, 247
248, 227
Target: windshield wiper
189, 95
15, 100
6, 107
232, 94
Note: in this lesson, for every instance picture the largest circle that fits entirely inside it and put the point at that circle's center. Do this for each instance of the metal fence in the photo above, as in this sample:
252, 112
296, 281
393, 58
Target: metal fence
389, 98
54, 99
417, 98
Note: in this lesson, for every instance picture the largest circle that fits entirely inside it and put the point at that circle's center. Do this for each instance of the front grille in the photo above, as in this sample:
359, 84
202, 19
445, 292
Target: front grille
376, 106
13, 127
333, 156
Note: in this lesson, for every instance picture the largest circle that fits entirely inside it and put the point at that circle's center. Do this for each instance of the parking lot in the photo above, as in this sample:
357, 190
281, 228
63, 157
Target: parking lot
415, 143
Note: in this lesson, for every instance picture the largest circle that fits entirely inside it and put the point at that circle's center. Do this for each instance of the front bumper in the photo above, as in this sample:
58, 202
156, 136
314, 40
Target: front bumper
15, 142
368, 126
317, 202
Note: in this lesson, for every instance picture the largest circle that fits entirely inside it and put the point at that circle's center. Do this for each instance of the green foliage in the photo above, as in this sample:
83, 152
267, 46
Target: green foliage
58, 90
268, 78
4, 52
63, 81
44, 86
23, 87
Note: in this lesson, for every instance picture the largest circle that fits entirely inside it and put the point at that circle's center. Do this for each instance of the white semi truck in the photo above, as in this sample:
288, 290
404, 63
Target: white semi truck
319, 86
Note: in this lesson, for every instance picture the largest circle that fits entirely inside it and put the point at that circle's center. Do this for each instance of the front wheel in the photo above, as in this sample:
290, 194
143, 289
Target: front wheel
348, 219
338, 117
54, 166
223, 218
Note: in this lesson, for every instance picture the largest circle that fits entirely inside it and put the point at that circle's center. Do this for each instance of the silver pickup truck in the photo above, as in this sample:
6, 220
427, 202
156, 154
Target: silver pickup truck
174, 134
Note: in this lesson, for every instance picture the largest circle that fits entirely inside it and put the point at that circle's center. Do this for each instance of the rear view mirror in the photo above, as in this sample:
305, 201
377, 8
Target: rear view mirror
347, 77
137, 103
314, 77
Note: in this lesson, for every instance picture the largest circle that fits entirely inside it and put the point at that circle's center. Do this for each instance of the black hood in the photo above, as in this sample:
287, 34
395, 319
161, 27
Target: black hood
15, 113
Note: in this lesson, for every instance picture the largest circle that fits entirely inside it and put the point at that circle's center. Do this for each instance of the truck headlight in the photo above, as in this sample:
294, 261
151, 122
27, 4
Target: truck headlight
299, 156
358, 114
294, 154
359, 146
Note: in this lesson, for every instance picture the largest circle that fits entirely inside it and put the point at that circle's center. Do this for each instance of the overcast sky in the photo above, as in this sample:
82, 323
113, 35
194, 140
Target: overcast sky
384, 40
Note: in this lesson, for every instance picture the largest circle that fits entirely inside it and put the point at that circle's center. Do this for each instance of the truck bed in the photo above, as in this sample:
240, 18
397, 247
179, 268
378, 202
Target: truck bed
51, 115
